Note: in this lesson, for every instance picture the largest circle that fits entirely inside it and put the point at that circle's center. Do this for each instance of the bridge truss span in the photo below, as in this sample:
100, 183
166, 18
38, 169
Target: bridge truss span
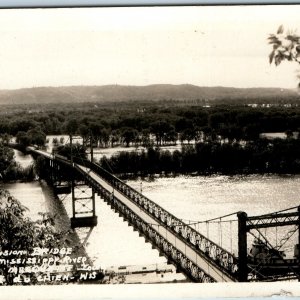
165, 243
199, 258
215, 261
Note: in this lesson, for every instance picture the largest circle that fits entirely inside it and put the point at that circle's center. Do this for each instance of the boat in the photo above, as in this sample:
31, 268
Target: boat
265, 261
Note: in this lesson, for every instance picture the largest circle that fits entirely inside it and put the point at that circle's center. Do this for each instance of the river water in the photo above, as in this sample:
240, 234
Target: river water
200, 198
197, 198
30, 194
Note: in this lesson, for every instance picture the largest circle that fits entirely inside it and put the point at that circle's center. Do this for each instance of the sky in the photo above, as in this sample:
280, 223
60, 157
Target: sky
205, 46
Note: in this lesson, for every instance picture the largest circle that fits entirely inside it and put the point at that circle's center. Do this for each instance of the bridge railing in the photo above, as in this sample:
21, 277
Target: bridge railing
209, 249
150, 232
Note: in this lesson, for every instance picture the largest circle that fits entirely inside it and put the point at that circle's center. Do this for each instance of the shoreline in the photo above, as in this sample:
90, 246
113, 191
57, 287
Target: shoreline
152, 177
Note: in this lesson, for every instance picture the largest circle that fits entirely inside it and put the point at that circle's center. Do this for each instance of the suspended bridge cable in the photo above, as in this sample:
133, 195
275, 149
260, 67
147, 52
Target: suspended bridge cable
231, 237
207, 229
276, 236
212, 222
288, 235
217, 219
220, 233
279, 211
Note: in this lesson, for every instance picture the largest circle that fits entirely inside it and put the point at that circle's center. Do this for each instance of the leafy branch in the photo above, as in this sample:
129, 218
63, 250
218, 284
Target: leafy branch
286, 46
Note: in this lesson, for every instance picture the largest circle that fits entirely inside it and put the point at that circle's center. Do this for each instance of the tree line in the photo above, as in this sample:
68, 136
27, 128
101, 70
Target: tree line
149, 125
259, 156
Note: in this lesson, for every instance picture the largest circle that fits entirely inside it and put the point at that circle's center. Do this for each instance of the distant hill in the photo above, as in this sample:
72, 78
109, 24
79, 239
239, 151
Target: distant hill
109, 93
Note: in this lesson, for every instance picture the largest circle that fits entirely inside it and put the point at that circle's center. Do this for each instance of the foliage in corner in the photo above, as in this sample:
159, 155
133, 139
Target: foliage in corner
19, 233
286, 47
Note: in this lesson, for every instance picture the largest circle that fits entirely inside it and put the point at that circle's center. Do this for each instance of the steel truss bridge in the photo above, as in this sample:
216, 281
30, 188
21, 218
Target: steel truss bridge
193, 253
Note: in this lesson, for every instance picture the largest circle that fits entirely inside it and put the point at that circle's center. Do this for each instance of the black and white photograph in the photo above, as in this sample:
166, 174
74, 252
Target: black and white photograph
150, 145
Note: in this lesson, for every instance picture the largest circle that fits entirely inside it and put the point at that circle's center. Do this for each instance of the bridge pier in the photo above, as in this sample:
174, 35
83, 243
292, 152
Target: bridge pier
271, 255
83, 205
298, 246
65, 181
242, 247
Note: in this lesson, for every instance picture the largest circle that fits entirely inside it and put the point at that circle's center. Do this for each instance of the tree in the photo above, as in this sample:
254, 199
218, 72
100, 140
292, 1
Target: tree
5, 138
95, 131
129, 135
68, 150
188, 135
34, 136
23, 139
18, 232
104, 137
159, 129
6, 160
114, 137
37, 137
22, 124
72, 127
286, 46
171, 136
145, 138
84, 132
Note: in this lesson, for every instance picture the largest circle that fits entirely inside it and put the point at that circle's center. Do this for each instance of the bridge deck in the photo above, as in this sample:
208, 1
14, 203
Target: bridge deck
190, 253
